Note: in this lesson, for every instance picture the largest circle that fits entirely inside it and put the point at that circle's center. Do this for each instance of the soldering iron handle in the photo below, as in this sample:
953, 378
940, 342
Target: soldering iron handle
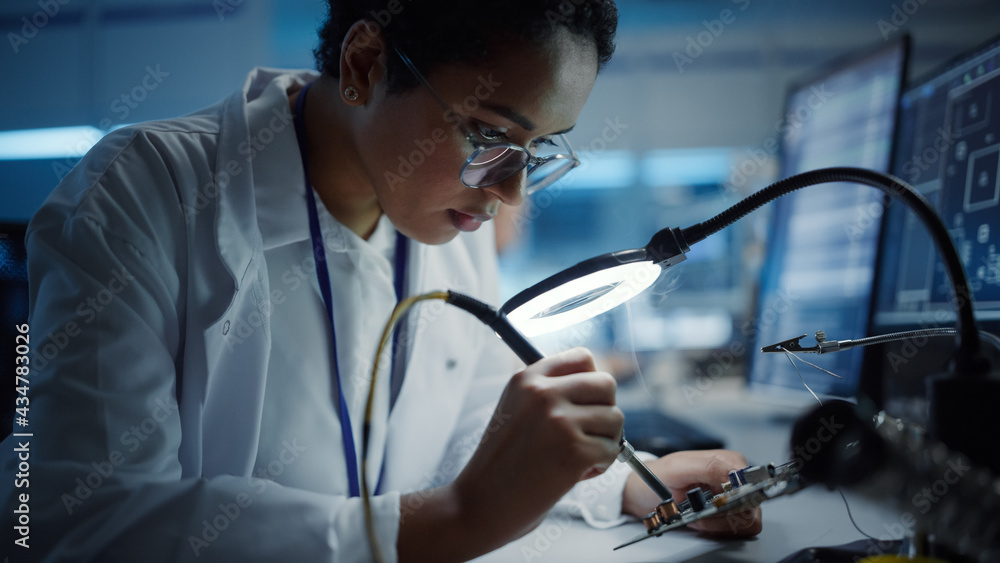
516, 341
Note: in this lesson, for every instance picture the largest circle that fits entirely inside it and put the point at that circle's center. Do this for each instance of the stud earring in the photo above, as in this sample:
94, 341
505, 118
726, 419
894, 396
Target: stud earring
351, 93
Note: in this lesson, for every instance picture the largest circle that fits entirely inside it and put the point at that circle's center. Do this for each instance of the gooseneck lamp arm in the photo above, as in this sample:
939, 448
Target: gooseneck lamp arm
598, 284
968, 360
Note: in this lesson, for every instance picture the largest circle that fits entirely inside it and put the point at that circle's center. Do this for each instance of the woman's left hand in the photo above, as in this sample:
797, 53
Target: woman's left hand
683, 471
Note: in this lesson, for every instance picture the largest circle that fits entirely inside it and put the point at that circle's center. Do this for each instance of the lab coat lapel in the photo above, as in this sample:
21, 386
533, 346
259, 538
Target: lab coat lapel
238, 343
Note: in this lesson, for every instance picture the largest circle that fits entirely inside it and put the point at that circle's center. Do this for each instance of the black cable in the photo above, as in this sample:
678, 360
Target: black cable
498, 322
851, 516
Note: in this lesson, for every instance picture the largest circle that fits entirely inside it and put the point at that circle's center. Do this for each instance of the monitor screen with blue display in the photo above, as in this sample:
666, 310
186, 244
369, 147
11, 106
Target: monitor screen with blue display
823, 240
948, 148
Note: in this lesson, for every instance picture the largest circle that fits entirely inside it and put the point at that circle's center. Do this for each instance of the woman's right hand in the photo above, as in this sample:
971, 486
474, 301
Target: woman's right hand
556, 424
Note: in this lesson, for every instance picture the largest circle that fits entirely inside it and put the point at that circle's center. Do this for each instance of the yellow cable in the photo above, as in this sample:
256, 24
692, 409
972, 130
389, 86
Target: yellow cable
401, 308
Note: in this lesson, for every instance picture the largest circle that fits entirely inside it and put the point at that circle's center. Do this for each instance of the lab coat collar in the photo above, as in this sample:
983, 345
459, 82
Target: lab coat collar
279, 181
236, 217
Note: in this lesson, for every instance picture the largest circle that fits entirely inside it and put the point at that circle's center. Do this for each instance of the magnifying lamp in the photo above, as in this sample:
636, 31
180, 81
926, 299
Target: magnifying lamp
599, 284
959, 406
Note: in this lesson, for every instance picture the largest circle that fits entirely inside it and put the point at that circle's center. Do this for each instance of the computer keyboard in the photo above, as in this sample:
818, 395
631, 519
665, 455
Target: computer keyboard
652, 431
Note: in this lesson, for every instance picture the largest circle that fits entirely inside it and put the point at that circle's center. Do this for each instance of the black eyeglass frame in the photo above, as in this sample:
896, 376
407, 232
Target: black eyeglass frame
531, 161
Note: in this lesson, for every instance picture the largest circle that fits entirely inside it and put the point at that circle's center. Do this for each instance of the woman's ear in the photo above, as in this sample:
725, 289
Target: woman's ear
363, 57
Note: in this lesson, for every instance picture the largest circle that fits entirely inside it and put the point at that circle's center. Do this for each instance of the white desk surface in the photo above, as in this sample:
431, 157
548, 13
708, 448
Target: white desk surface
813, 517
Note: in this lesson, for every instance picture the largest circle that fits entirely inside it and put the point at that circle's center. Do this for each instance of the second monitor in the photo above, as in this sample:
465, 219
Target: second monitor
821, 250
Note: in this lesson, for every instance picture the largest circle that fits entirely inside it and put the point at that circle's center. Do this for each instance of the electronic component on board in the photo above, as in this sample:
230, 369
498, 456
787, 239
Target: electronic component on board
734, 479
755, 474
696, 500
668, 511
652, 521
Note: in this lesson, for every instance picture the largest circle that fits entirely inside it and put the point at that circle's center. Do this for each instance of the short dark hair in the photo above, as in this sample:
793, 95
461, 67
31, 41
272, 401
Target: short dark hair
435, 32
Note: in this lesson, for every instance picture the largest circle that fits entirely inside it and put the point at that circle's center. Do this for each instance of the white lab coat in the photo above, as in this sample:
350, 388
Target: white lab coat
148, 282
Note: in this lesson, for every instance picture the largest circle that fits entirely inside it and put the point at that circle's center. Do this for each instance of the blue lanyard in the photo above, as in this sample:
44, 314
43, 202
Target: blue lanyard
323, 276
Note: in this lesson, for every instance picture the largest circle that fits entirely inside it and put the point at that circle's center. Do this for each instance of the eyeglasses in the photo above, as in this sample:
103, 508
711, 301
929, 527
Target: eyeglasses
491, 163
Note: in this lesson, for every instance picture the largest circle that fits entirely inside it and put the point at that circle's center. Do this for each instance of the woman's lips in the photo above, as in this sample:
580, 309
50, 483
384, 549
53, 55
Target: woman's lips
468, 222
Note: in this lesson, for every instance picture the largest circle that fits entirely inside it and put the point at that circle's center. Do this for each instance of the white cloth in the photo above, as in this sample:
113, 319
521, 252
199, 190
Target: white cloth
169, 257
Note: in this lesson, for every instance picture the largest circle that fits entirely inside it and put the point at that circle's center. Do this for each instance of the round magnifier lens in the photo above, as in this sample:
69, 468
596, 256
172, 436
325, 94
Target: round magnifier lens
582, 298
577, 301
493, 165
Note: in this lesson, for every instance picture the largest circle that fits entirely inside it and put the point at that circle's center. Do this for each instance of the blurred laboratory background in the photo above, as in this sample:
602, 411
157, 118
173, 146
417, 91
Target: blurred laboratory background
685, 120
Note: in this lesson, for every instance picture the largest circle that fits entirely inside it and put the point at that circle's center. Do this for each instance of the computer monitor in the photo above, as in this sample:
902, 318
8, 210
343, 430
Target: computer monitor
821, 250
948, 148
13, 312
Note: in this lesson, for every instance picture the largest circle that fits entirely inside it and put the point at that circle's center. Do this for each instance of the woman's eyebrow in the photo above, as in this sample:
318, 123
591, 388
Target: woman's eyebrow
515, 117
510, 114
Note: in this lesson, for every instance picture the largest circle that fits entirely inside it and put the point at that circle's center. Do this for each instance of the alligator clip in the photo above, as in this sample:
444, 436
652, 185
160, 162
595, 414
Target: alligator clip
790, 345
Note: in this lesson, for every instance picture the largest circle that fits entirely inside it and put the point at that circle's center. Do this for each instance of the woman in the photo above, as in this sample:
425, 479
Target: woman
219, 282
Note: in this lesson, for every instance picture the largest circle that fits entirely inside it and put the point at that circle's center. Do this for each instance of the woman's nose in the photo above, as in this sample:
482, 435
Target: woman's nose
510, 191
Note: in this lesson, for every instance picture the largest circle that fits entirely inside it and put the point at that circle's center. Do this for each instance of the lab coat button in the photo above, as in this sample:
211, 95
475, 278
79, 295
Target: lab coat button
450, 364
225, 328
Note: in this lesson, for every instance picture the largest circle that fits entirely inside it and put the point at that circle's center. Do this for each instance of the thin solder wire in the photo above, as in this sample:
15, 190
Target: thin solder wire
789, 356
799, 358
